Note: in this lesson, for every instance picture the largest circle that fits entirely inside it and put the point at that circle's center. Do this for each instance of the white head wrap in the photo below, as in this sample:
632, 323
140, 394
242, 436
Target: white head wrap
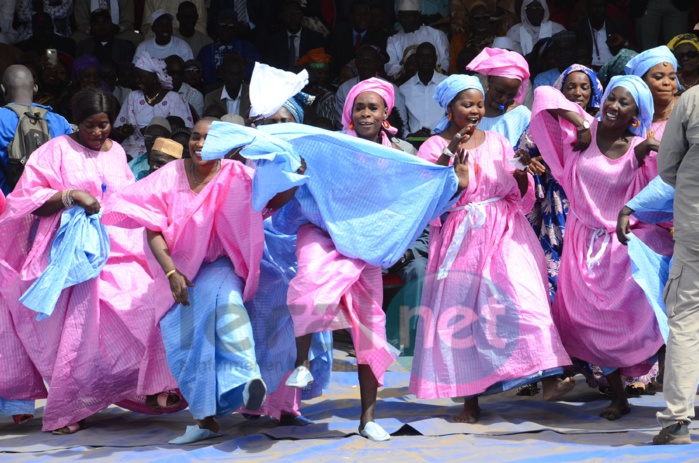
146, 62
271, 87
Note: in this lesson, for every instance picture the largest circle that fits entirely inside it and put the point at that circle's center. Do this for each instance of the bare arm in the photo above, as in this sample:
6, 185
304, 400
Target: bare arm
178, 281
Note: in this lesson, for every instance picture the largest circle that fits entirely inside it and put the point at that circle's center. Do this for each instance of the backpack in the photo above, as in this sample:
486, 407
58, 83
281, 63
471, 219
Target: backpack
32, 132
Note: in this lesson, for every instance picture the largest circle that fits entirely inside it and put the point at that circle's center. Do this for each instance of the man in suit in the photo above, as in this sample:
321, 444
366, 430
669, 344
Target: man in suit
234, 95
102, 44
346, 37
602, 35
287, 46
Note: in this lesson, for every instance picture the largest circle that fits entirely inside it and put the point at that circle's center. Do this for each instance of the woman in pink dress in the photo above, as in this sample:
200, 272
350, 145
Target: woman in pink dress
332, 291
100, 345
602, 314
483, 328
154, 97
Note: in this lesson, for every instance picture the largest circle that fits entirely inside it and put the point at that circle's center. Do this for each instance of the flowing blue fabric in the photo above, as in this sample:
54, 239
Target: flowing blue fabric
273, 328
641, 63
651, 270
78, 253
447, 90
373, 201
209, 344
641, 95
16, 407
139, 166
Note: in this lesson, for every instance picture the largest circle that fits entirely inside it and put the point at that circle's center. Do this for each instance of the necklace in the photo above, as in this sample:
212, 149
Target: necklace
151, 100
194, 175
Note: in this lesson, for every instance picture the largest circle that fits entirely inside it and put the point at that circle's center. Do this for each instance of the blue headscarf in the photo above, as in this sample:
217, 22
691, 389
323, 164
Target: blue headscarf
297, 104
641, 95
641, 63
597, 89
448, 89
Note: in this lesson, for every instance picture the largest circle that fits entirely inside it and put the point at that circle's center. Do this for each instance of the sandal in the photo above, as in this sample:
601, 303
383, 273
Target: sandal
70, 429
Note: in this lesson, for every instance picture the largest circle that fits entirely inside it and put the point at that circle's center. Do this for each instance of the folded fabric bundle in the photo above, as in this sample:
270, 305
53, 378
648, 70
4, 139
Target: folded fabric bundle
79, 251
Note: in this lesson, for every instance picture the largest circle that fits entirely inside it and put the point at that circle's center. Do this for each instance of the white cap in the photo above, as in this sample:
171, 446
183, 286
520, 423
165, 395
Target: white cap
504, 43
409, 5
158, 13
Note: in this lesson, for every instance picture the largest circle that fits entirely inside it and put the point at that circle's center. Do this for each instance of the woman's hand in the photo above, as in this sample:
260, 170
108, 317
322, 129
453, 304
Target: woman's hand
461, 168
536, 166
644, 148
178, 285
523, 157
622, 224
302, 170
462, 136
86, 201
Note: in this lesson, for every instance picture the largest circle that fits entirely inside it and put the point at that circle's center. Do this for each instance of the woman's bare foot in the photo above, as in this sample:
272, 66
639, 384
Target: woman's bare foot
555, 389
162, 400
471, 412
209, 423
617, 409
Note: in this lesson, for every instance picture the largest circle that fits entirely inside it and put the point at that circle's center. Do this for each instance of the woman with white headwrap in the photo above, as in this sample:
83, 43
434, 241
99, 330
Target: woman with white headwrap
153, 98
535, 26
483, 328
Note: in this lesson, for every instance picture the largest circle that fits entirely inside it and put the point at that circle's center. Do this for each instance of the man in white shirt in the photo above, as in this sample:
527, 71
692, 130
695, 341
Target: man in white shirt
164, 44
175, 69
414, 34
368, 63
418, 92
187, 15
170, 7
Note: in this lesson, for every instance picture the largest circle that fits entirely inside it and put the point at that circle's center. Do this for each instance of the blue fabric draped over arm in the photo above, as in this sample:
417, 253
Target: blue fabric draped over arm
374, 201
654, 204
78, 253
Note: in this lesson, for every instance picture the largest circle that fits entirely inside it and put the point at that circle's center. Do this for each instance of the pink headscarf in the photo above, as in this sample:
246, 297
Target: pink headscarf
379, 86
503, 63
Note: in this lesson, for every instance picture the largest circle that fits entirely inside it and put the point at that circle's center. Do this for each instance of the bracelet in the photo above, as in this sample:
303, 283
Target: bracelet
67, 198
170, 273
448, 152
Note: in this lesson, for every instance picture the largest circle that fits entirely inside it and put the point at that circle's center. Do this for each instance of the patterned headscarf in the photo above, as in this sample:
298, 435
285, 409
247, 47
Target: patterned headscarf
596, 85
683, 38
147, 63
615, 66
641, 95
502, 63
379, 86
296, 105
448, 89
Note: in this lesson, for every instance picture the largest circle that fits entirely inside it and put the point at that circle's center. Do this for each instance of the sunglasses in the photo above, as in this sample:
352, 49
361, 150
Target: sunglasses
687, 54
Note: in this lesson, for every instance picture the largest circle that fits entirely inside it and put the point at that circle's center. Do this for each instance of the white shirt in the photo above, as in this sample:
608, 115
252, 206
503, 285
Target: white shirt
423, 110
193, 97
232, 104
175, 47
341, 96
297, 42
399, 42
600, 50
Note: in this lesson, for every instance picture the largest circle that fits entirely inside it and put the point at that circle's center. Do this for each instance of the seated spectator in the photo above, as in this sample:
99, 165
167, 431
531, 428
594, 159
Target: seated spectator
121, 18
479, 34
615, 66
418, 93
211, 56
414, 33
164, 151
288, 45
57, 10
316, 62
234, 95
686, 50
52, 79
157, 128
102, 44
346, 37
87, 72
604, 36
408, 66
368, 62
181, 135
164, 44
563, 45
175, 69
187, 16
44, 37
110, 77
535, 26
194, 74
153, 98
171, 7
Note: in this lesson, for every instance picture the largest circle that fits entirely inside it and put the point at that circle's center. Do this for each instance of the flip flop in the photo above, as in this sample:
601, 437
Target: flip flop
194, 434
23, 418
374, 432
70, 429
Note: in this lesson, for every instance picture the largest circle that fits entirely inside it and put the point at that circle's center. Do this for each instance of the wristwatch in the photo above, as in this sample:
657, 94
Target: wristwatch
585, 126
